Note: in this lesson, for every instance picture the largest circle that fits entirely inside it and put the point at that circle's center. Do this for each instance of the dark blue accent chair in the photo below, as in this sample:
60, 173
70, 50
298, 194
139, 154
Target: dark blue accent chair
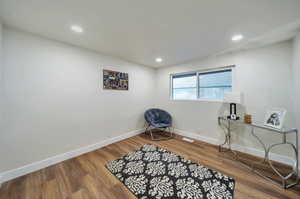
158, 119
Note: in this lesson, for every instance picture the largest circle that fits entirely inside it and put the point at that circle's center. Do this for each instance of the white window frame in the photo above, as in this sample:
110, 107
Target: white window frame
232, 67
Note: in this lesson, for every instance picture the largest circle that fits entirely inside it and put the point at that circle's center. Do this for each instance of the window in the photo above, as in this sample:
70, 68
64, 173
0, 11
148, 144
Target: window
213, 85
185, 86
202, 85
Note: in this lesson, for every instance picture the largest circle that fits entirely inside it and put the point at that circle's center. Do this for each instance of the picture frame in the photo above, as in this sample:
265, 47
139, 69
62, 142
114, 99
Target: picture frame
275, 118
115, 80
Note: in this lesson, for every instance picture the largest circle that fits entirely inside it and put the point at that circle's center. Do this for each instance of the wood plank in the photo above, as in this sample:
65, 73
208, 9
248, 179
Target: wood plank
85, 177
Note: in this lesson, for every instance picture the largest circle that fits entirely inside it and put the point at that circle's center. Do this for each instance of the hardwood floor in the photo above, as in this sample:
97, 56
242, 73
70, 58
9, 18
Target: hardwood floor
85, 177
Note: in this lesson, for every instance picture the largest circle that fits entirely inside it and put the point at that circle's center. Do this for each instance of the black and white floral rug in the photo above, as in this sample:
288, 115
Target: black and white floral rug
152, 172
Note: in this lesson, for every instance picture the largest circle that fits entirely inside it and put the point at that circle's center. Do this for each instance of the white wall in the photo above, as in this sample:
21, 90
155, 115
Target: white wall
1, 68
0, 50
263, 75
296, 80
55, 102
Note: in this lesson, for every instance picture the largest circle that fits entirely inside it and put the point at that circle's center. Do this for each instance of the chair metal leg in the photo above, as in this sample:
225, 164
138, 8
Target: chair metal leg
170, 131
160, 139
151, 134
147, 128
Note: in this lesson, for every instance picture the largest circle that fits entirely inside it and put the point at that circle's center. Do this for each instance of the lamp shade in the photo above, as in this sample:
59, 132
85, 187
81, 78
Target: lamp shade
232, 97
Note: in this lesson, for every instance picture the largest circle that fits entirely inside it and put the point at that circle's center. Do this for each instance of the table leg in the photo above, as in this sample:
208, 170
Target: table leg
227, 140
262, 144
295, 167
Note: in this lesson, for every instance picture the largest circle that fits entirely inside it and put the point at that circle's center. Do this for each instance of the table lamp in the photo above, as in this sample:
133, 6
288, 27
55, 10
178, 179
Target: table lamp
232, 98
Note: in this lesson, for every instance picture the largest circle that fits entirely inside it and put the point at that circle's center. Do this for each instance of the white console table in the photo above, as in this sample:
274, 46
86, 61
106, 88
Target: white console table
226, 124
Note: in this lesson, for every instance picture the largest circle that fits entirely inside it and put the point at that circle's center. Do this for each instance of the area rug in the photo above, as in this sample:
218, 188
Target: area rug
152, 172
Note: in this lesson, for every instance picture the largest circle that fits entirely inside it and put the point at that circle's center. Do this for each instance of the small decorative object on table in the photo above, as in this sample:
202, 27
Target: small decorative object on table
248, 119
232, 98
275, 118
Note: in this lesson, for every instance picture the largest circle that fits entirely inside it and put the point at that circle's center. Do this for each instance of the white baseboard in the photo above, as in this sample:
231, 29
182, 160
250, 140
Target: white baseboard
14, 173
249, 150
196, 136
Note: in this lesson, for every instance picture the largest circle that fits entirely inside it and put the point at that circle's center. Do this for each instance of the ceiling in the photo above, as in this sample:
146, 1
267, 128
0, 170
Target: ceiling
141, 30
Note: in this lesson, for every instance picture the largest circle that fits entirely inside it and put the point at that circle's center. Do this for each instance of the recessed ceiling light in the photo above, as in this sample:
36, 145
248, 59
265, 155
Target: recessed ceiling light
158, 59
238, 37
76, 28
